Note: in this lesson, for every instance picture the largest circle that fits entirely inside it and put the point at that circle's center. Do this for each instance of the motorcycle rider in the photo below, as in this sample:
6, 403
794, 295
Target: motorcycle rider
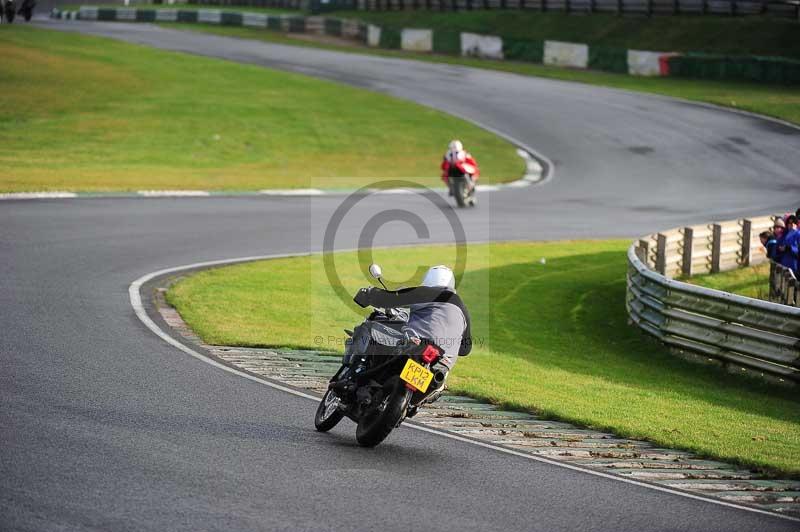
437, 315
457, 161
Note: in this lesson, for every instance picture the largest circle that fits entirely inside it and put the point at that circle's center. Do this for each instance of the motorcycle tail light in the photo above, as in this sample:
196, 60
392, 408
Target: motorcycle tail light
430, 354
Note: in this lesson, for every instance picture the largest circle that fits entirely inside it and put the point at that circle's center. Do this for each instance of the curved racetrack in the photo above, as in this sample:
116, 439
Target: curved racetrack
104, 426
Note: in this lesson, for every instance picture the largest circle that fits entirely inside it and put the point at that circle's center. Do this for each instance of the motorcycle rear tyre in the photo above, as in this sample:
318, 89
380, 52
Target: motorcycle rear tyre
375, 427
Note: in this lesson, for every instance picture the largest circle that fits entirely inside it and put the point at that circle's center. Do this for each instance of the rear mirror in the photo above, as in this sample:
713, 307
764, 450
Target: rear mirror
375, 271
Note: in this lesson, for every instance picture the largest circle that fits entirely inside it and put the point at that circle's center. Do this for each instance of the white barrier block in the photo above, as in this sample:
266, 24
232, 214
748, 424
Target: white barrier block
166, 15
87, 13
373, 35
258, 20
642, 63
416, 40
486, 46
566, 54
124, 13
209, 16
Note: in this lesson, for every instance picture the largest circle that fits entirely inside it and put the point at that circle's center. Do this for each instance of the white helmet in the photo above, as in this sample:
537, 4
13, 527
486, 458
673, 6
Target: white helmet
440, 277
455, 152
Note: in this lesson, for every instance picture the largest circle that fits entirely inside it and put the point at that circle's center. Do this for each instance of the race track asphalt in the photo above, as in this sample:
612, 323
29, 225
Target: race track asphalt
104, 426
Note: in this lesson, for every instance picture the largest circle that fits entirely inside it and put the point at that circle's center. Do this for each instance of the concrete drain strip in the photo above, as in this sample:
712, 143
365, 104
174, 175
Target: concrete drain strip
527, 433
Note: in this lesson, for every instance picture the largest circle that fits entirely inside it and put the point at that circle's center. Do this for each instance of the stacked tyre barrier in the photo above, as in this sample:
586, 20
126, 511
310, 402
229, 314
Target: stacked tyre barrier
425, 40
742, 334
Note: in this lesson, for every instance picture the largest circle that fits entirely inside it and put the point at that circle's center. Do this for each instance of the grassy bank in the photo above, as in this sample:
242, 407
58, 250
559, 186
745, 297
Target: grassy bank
726, 35
86, 113
551, 336
779, 101
750, 282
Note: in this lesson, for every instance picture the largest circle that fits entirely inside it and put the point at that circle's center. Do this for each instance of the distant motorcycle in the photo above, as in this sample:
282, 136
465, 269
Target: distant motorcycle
384, 378
26, 9
462, 184
9, 10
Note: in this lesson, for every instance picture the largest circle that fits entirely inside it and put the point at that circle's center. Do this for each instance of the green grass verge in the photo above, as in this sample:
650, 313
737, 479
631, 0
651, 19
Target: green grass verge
726, 35
550, 337
749, 282
87, 113
779, 101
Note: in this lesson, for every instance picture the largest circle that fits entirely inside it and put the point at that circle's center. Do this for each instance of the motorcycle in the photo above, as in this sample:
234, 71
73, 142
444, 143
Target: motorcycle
9, 10
462, 184
26, 9
385, 377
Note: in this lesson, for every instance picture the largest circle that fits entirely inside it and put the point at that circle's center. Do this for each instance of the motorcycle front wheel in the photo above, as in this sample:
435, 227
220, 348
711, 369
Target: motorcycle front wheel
460, 192
328, 414
376, 425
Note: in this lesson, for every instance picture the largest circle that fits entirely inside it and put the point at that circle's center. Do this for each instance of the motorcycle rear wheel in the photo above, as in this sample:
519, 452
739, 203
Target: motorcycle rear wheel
375, 426
328, 414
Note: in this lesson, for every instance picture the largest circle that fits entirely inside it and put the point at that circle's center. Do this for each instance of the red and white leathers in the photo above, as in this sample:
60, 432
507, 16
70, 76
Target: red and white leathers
459, 161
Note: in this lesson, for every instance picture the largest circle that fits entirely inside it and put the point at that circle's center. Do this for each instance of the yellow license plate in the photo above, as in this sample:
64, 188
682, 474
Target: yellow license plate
416, 375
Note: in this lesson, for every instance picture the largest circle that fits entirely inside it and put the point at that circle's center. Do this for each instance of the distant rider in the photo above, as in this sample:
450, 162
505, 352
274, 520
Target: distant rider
456, 162
437, 314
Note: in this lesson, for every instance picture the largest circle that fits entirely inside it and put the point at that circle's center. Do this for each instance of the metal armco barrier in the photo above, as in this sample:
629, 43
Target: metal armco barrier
760, 336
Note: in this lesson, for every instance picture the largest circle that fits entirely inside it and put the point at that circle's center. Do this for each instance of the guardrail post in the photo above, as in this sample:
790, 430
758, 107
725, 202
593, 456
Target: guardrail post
773, 271
688, 246
791, 292
716, 247
661, 254
747, 237
644, 249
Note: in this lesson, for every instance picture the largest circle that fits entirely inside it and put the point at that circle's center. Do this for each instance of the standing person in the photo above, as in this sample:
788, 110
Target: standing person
786, 247
769, 243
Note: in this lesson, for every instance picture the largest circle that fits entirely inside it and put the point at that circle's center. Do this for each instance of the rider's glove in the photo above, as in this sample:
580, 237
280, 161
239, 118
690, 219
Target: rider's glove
362, 297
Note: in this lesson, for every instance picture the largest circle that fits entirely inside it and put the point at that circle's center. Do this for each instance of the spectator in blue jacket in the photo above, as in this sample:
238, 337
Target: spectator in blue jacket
787, 243
769, 243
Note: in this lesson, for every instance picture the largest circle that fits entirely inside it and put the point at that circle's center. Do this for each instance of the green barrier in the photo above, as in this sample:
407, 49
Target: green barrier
297, 24
187, 16
230, 19
106, 14
447, 42
333, 26
608, 59
145, 15
760, 69
522, 50
390, 38
274, 23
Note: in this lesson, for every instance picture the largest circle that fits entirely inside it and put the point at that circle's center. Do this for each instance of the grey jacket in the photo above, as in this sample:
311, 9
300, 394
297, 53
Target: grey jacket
437, 315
